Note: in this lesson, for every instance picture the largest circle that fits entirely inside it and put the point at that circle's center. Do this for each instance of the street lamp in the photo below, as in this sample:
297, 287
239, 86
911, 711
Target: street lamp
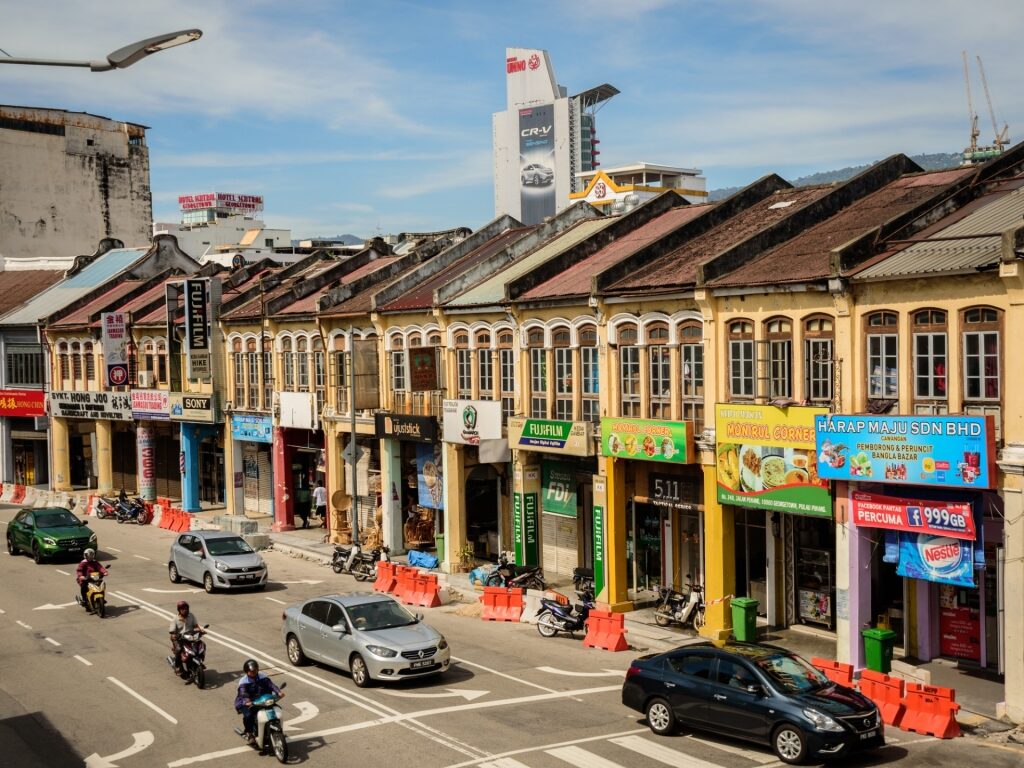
122, 57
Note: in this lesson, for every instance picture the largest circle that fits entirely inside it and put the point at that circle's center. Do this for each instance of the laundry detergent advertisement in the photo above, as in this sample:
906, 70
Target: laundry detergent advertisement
940, 559
944, 451
766, 459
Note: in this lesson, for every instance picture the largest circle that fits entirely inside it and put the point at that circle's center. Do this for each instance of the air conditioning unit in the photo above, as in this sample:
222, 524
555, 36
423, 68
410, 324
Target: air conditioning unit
146, 380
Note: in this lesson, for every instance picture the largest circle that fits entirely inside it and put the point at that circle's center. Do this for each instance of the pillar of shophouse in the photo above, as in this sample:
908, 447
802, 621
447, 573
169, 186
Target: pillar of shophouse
616, 529
191, 438
284, 501
104, 456
454, 512
60, 456
719, 560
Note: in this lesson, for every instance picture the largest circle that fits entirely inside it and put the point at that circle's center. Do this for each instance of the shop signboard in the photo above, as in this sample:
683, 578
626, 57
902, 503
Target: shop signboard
558, 486
109, 406
467, 422
570, 438
941, 559
531, 526
297, 410
429, 476
22, 402
414, 429
114, 338
648, 440
197, 333
674, 491
251, 428
946, 451
517, 526
151, 404
766, 459
423, 369
941, 518
194, 408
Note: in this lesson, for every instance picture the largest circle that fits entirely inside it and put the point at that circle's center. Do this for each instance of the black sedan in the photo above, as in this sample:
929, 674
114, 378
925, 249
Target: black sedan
755, 692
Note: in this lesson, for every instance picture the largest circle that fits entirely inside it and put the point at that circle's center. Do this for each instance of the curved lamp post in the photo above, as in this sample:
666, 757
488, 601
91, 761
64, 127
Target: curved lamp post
122, 57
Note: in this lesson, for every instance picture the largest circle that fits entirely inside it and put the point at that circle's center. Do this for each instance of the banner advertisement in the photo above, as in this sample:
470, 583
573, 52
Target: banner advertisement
430, 480
151, 404
572, 438
195, 408
252, 429
197, 332
663, 441
110, 406
114, 330
470, 421
941, 518
941, 559
147, 462
537, 158
22, 402
558, 486
947, 451
766, 459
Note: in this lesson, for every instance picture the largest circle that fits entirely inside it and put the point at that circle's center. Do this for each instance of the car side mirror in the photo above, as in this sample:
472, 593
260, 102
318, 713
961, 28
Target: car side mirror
757, 690
341, 628
419, 616
83, 522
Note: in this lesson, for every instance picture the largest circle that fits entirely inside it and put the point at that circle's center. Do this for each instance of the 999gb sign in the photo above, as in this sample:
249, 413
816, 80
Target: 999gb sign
948, 518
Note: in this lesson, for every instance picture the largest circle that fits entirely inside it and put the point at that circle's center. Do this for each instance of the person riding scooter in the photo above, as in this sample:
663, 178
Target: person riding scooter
184, 622
86, 568
251, 686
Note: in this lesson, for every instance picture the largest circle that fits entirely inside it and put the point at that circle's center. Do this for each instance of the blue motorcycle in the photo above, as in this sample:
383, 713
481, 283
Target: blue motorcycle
554, 617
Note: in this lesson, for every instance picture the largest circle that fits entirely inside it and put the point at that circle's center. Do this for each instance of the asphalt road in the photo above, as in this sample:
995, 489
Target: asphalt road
76, 689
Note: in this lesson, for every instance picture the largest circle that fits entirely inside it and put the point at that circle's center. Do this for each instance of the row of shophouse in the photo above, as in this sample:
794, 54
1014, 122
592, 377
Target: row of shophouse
802, 395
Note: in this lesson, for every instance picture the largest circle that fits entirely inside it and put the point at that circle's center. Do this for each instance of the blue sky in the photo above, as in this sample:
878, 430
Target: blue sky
376, 117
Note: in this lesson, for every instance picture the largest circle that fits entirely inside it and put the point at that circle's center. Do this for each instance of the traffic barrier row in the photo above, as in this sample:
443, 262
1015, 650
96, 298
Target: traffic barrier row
887, 693
930, 710
501, 604
173, 519
836, 671
606, 630
385, 578
424, 590
404, 583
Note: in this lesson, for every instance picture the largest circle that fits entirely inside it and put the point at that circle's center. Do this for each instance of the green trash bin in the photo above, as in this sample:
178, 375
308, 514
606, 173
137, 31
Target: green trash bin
744, 619
439, 545
878, 645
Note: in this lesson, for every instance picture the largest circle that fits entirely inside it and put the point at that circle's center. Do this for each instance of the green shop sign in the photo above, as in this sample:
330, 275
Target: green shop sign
558, 486
524, 528
668, 442
598, 549
572, 438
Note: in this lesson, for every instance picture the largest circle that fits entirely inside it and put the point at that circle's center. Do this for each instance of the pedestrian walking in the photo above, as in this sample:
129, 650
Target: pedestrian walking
320, 502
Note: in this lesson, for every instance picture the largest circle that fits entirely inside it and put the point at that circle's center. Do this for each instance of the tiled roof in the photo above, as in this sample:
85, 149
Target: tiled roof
575, 280
679, 268
807, 256
21, 285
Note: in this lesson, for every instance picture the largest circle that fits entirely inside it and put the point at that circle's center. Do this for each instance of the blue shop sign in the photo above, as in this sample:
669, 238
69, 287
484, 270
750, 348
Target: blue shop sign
253, 429
940, 559
946, 451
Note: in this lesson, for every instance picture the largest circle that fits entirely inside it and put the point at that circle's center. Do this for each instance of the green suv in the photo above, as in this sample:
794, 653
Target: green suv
48, 532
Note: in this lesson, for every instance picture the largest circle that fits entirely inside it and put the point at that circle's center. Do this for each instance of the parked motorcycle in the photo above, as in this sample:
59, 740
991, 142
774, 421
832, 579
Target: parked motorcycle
191, 657
583, 579
132, 511
354, 561
675, 607
95, 594
105, 508
269, 727
508, 574
554, 617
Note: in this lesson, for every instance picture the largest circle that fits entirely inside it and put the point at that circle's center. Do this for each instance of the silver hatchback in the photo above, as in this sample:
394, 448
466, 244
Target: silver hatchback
217, 560
371, 636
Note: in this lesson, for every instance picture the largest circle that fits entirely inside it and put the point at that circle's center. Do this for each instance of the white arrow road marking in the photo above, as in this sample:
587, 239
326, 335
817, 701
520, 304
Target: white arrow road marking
62, 573
148, 703
142, 739
53, 606
275, 600
51, 641
141, 557
170, 591
307, 711
23, 624
301, 581
84, 661
466, 694
602, 673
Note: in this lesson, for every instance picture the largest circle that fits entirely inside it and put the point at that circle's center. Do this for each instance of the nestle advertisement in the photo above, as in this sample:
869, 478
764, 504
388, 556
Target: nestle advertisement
941, 518
766, 459
941, 559
537, 163
948, 451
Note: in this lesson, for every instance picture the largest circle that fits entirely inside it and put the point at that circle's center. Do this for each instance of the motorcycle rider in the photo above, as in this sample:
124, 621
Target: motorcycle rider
184, 622
251, 686
86, 568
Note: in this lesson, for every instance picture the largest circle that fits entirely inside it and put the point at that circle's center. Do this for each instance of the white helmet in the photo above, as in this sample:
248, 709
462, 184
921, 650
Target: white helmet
90, 554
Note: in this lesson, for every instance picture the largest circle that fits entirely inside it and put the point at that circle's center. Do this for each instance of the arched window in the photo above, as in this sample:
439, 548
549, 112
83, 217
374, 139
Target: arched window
268, 374
252, 364
589, 373
629, 371
507, 373
882, 336
302, 363
741, 360
463, 365
76, 362
930, 361
288, 359
396, 361
238, 359
778, 343
659, 366
538, 373
319, 375
819, 341
90, 364
981, 344
485, 364
691, 348
561, 338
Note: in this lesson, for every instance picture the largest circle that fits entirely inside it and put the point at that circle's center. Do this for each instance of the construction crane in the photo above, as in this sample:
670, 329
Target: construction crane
1002, 137
971, 116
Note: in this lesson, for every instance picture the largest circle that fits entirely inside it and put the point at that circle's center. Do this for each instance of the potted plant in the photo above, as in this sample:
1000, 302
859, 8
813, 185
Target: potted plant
466, 557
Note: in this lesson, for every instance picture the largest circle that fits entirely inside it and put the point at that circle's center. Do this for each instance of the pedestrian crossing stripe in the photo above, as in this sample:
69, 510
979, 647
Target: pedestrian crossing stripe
757, 757
663, 754
581, 758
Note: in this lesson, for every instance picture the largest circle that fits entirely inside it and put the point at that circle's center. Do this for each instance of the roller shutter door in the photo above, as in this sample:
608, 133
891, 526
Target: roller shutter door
124, 460
559, 545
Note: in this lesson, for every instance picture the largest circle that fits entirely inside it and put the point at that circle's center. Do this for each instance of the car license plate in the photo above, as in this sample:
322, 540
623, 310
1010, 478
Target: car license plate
421, 664
247, 577
869, 735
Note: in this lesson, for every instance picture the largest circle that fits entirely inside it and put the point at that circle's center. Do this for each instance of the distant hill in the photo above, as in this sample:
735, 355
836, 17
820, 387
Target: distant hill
933, 162
344, 239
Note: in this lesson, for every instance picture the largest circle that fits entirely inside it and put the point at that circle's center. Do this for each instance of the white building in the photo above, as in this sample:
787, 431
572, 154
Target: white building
617, 189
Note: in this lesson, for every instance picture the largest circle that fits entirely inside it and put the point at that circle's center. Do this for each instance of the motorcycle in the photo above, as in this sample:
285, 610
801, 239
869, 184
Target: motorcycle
675, 607
554, 617
269, 727
131, 511
508, 574
191, 657
105, 508
362, 565
95, 594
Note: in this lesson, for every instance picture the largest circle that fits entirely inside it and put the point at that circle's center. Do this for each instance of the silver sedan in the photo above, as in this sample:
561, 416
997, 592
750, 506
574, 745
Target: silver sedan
369, 635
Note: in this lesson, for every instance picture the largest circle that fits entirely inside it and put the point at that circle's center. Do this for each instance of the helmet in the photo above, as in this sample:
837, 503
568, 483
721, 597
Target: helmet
90, 554
251, 666
182, 606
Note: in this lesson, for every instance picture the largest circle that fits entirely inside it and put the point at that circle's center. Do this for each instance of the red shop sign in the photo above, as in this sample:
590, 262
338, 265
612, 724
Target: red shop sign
22, 402
944, 518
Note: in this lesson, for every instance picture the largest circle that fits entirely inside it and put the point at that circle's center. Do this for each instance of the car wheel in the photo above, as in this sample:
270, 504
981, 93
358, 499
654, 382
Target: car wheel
294, 650
208, 583
660, 717
360, 673
36, 554
12, 549
172, 574
789, 744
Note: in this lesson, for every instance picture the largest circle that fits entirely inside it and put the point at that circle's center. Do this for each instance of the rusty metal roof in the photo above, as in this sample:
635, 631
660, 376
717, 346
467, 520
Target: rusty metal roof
21, 285
308, 304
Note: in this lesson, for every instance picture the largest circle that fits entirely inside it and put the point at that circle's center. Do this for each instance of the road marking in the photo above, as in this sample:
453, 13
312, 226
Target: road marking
62, 573
502, 674
171, 591
51, 641
23, 624
141, 557
581, 758
113, 549
275, 600
467, 694
505, 762
141, 740
145, 701
757, 757
84, 661
307, 711
567, 673
663, 754
301, 581
52, 606
484, 760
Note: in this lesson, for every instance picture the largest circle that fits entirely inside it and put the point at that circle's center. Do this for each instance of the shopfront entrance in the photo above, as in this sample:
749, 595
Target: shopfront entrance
211, 472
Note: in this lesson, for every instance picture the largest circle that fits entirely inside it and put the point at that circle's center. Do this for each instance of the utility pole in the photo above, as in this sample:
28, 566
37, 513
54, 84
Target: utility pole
352, 441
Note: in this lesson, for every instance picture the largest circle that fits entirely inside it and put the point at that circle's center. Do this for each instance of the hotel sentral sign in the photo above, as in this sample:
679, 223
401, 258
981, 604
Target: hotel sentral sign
570, 438
109, 406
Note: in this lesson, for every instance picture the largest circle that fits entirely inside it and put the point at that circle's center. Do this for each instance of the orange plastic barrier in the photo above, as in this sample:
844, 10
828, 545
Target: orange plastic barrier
606, 630
166, 518
150, 513
425, 592
887, 693
835, 671
931, 710
385, 577
19, 494
404, 583
502, 604
90, 505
